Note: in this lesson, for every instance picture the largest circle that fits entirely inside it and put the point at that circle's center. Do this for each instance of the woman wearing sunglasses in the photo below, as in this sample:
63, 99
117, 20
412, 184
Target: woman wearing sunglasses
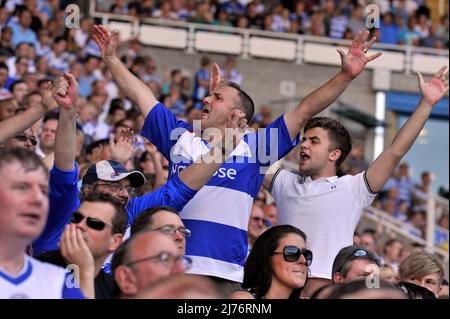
277, 266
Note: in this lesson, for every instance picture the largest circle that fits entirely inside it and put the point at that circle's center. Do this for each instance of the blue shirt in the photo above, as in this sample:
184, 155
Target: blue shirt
63, 201
218, 214
19, 36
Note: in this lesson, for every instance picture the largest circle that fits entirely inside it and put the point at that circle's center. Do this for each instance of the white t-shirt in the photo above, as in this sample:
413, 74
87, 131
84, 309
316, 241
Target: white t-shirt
326, 209
37, 280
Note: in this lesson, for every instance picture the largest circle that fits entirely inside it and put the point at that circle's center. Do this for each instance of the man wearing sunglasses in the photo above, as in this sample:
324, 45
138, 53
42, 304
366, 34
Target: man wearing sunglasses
95, 231
146, 257
25, 139
354, 262
112, 177
13, 130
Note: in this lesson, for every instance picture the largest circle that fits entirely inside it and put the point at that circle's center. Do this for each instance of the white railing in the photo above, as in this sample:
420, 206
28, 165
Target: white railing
250, 43
397, 227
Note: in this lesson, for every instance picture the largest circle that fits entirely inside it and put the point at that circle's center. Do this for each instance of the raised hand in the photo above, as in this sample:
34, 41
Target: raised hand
106, 41
122, 149
354, 62
48, 101
434, 90
65, 91
215, 78
235, 130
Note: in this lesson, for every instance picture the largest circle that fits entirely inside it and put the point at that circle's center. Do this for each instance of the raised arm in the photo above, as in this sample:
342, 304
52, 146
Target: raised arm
432, 92
66, 94
353, 63
134, 88
20, 122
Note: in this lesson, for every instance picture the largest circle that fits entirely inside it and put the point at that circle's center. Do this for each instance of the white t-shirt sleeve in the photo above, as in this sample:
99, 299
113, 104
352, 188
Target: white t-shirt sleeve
359, 187
279, 182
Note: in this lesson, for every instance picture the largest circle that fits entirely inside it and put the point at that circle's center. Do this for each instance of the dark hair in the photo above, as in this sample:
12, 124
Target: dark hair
338, 134
120, 219
43, 81
27, 159
414, 291
391, 242
245, 102
343, 260
145, 219
94, 145
16, 83
4, 66
116, 102
50, 116
258, 270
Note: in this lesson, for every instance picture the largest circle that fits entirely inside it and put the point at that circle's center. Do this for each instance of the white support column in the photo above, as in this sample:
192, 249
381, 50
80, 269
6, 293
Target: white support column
431, 220
380, 113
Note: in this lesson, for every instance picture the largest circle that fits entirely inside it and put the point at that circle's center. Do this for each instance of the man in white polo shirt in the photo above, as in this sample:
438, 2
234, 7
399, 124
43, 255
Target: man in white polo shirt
326, 207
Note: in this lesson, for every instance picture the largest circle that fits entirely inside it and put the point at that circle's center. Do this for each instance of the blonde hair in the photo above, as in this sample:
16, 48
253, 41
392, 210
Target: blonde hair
419, 265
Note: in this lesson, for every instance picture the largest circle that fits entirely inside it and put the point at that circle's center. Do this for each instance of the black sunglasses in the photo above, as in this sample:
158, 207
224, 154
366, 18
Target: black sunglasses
293, 253
91, 222
24, 138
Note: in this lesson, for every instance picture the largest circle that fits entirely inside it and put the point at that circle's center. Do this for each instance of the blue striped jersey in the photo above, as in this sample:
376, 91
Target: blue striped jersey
218, 214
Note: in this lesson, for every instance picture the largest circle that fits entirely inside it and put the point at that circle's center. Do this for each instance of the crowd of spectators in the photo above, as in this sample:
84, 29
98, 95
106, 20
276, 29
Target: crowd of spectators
408, 22
35, 49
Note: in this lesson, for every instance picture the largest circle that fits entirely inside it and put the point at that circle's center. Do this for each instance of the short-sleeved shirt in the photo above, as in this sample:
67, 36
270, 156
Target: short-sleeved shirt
327, 210
63, 201
218, 214
38, 280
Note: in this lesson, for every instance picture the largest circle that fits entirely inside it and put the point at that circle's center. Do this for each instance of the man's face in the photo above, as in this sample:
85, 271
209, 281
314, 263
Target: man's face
20, 90
25, 19
23, 202
149, 270
26, 139
270, 213
163, 219
256, 222
432, 282
315, 154
7, 109
367, 242
3, 77
100, 242
121, 189
359, 269
217, 107
48, 134
394, 251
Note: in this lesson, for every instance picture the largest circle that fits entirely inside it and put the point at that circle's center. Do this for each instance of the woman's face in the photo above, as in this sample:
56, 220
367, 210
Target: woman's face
290, 274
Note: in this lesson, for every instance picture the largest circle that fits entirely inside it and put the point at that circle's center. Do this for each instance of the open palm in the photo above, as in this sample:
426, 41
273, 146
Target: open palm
434, 90
354, 62
106, 41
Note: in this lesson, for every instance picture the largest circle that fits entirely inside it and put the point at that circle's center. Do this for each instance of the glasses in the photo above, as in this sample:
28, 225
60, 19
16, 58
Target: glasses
117, 188
292, 254
166, 259
91, 222
24, 138
356, 253
171, 230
